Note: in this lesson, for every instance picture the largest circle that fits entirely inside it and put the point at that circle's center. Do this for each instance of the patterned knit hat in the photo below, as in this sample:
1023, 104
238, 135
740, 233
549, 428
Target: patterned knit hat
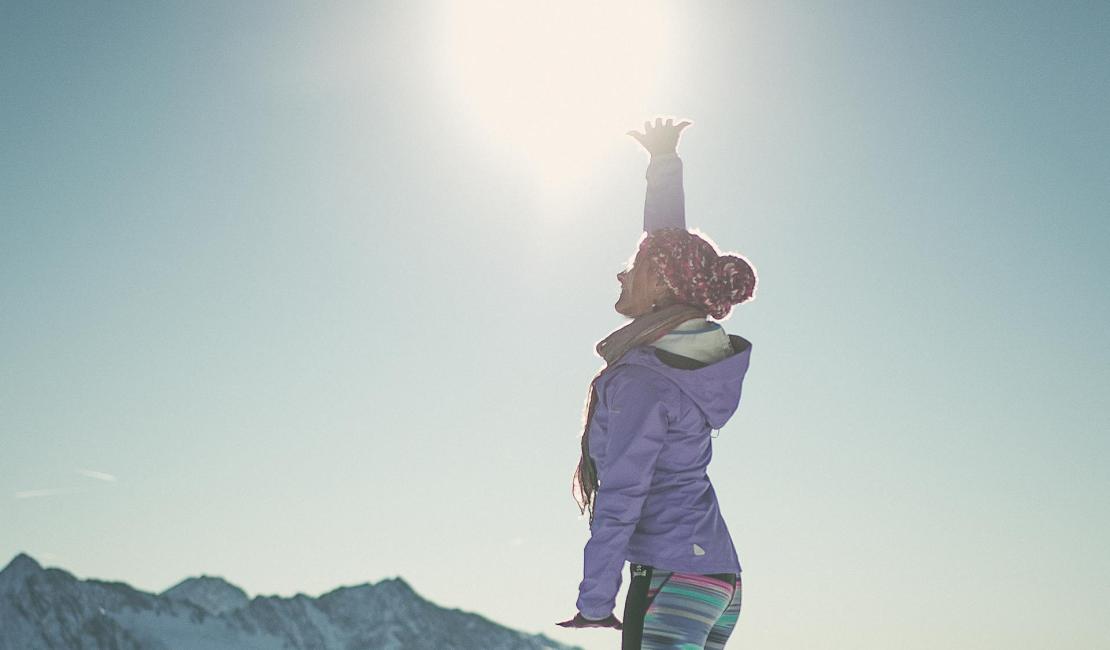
698, 275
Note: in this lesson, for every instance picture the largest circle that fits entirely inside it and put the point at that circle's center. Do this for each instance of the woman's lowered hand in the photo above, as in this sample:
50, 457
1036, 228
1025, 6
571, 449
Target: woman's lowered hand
581, 621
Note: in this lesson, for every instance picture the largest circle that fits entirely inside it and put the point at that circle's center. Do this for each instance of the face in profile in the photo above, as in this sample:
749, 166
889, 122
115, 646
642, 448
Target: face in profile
641, 289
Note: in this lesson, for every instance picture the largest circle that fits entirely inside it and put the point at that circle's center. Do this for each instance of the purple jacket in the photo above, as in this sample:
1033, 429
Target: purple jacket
650, 440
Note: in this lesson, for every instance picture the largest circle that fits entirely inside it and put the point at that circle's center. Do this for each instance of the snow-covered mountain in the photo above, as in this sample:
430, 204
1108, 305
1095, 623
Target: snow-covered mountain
50, 608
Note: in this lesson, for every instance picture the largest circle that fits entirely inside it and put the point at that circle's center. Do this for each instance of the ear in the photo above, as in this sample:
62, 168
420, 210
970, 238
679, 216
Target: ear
654, 280
658, 286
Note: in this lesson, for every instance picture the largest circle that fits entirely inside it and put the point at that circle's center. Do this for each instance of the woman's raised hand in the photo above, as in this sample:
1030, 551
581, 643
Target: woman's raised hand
661, 138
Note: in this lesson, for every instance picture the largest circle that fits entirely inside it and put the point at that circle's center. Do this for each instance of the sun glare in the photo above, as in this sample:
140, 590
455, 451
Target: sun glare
556, 83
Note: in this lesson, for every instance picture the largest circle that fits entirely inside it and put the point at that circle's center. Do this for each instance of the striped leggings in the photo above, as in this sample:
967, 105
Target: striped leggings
679, 611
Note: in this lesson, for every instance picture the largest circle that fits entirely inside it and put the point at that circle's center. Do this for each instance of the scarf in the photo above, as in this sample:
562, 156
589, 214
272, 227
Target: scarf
645, 329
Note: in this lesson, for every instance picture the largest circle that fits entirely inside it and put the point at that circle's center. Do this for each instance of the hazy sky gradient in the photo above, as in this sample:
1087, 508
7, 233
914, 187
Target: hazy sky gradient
285, 298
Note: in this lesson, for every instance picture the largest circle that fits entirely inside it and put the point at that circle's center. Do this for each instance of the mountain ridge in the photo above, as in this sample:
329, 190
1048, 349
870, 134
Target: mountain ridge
51, 608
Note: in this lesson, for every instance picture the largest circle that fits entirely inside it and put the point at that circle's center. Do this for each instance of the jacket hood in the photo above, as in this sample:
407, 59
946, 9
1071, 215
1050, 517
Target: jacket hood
714, 387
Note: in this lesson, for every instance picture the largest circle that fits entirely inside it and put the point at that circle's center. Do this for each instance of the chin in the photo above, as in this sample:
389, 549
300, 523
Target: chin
628, 313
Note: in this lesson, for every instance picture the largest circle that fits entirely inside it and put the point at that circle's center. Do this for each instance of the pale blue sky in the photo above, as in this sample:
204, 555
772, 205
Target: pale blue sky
323, 302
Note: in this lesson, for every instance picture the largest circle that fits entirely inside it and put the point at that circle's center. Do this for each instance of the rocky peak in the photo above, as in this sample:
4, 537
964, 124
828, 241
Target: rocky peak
211, 593
396, 586
18, 570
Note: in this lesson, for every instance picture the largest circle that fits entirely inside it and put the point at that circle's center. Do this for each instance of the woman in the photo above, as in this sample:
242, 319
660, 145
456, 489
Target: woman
671, 377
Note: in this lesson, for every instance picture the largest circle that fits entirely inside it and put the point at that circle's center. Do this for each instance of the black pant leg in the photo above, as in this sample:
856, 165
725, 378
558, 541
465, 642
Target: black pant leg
635, 605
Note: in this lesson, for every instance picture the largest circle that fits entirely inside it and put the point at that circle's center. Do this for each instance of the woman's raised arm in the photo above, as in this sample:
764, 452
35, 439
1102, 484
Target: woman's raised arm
665, 201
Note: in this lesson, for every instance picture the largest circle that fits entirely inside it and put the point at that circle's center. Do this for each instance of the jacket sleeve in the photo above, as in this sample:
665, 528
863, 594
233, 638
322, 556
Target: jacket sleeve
637, 423
665, 201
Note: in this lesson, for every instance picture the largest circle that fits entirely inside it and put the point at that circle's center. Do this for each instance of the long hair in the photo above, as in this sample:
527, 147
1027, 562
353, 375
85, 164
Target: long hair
584, 483
642, 330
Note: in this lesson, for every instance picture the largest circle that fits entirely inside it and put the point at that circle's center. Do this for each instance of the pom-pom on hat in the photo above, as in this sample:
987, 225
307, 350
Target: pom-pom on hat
691, 267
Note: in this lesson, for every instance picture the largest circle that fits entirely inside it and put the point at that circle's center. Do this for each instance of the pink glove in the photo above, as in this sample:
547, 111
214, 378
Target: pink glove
581, 621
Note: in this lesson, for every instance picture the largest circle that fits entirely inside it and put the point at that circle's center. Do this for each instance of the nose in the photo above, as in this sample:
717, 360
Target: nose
621, 275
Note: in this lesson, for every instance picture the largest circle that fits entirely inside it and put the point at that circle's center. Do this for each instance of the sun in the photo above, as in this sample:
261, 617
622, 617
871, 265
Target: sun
557, 84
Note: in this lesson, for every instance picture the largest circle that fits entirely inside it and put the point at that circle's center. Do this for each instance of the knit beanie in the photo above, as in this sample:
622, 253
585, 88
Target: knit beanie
698, 275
